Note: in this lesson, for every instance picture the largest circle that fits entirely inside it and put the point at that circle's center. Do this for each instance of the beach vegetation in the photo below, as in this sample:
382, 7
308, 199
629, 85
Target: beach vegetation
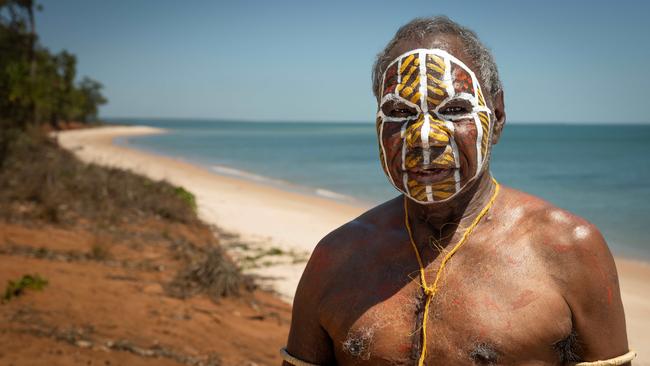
26, 282
186, 196
213, 274
99, 250
42, 184
252, 255
37, 86
39, 180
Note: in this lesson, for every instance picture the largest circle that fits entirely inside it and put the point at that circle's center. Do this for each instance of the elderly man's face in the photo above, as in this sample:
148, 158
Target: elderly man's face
433, 123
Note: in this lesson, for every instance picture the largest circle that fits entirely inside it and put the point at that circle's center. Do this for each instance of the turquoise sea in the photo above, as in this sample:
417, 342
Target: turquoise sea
600, 172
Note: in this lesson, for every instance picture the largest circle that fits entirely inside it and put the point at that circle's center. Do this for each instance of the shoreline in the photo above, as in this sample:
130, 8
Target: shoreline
293, 221
256, 213
251, 177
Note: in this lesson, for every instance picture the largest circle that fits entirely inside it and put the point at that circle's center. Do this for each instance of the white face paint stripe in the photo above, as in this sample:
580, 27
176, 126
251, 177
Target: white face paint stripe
448, 119
424, 135
426, 126
398, 98
451, 92
423, 82
457, 179
399, 66
403, 133
475, 86
395, 119
429, 192
405, 179
391, 178
479, 139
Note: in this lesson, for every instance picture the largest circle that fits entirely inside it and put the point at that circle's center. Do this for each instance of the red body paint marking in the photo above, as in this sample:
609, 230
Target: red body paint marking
404, 348
593, 258
509, 325
610, 295
462, 80
489, 303
389, 89
523, 299
561, 248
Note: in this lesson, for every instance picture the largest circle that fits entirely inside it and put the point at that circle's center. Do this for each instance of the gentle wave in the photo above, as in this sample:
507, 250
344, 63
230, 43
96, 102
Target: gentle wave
333, 195
339, 161
236, 173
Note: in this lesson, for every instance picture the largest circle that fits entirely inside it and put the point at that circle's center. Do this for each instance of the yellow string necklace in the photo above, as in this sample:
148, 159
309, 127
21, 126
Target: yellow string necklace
430, 291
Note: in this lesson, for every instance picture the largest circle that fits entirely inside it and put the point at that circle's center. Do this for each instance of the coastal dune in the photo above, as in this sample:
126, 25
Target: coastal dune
253, 212
294, 222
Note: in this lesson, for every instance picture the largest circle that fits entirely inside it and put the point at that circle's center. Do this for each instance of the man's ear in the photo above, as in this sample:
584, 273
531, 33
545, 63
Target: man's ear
499, 117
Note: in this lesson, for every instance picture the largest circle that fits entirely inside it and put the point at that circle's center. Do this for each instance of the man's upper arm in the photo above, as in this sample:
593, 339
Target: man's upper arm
594, 297
308, 340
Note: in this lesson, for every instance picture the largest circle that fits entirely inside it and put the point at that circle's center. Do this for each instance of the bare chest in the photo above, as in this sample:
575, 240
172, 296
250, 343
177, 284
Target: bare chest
485, 312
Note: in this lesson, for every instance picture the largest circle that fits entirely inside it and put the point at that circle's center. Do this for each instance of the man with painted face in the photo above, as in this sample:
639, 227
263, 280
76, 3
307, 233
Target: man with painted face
457, 270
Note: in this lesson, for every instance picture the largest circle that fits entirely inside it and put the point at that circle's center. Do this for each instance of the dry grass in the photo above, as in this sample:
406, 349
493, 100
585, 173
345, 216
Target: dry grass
211, 273
41, 183
38, 180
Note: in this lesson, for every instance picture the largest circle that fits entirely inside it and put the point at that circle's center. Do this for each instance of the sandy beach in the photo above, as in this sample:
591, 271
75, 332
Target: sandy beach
256, 213
291, 221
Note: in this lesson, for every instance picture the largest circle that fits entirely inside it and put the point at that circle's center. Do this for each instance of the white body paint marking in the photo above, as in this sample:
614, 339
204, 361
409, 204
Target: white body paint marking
404, 150
405, 178
581, 232
426, 125
560, 216
479, 139
429, 192
448, 120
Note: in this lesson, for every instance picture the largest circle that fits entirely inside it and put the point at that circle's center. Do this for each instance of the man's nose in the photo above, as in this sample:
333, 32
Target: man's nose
427, 131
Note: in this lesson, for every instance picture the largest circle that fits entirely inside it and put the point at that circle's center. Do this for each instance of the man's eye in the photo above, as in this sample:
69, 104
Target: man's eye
401, 112
454, 110
398, 110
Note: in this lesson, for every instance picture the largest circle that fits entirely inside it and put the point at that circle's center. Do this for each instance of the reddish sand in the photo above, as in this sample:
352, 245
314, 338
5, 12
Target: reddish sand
115, 311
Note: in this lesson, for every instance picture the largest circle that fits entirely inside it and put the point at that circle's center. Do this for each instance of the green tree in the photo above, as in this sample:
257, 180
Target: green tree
37, 86
89, 98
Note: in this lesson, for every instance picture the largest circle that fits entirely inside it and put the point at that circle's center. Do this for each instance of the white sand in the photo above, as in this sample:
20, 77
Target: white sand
264, 214
256, 212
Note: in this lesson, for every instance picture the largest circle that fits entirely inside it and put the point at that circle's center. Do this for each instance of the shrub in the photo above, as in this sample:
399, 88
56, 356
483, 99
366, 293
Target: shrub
17, 288
40, 180
213, 274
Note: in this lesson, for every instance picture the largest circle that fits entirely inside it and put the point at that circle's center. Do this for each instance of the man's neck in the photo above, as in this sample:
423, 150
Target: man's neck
439, 221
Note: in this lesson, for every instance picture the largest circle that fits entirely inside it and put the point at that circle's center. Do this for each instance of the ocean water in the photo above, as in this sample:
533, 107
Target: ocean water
600, 172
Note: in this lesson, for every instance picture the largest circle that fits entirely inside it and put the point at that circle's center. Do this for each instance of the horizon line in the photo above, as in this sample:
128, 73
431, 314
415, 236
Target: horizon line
240, 120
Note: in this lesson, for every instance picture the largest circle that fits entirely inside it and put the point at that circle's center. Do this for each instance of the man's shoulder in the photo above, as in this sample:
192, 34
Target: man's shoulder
358, 236
338, 253
382, 219
562, 239
547, 221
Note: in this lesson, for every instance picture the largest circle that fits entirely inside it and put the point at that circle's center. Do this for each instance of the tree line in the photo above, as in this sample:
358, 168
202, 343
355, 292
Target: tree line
37, 86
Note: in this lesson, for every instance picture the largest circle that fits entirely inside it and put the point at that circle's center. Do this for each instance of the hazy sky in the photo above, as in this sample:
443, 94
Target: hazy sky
560, 61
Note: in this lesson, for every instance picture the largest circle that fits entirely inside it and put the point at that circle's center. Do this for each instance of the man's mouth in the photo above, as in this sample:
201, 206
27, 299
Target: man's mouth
430, 174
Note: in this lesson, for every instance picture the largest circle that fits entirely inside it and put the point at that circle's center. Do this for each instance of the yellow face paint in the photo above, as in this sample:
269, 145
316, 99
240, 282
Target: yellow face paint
426, 95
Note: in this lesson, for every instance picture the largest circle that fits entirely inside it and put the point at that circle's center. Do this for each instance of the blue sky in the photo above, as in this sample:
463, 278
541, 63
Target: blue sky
560, 61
